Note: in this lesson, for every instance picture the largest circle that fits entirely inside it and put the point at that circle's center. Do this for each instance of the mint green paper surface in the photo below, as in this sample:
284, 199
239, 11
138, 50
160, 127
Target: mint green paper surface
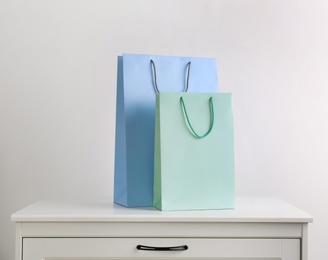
191, 173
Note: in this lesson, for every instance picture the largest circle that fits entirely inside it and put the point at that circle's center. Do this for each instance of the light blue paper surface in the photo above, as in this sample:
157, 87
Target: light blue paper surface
135, 117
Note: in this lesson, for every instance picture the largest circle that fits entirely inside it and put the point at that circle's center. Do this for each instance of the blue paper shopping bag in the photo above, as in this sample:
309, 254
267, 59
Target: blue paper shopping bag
139, 77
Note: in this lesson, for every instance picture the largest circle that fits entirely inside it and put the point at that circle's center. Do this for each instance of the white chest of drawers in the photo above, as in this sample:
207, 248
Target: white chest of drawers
259, 228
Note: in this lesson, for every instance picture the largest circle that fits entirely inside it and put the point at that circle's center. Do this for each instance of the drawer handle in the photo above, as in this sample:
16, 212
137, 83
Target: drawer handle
158, 248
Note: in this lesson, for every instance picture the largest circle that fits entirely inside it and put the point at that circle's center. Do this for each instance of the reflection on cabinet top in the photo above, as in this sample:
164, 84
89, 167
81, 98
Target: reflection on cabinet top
248, 209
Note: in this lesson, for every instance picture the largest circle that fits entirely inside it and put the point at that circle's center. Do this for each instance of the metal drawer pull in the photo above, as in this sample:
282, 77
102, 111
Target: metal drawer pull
158, 248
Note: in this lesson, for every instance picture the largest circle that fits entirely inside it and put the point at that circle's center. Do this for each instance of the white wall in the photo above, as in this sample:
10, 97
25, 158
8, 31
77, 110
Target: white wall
58, 87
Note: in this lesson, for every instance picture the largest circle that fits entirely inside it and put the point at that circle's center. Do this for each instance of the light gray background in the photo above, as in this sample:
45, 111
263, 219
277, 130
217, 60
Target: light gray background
58, 91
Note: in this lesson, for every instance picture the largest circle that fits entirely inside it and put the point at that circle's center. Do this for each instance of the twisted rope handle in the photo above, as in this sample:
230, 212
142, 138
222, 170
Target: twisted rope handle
188, 121
153, 71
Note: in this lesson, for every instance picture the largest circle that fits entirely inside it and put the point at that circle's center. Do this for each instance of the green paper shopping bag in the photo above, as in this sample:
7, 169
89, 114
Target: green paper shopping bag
194, 151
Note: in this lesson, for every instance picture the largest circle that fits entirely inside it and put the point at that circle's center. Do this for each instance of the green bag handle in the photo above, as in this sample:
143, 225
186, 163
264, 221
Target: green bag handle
188, 121
153, 71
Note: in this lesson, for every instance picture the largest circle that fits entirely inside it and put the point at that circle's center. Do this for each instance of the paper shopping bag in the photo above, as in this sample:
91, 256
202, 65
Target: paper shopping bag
139, 77
194, 151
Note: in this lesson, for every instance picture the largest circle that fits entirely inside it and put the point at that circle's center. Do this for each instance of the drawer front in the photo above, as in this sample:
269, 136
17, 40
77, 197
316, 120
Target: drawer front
115, 248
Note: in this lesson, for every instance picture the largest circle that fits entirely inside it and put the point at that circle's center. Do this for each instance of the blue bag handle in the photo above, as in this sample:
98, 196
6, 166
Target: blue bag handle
153, 71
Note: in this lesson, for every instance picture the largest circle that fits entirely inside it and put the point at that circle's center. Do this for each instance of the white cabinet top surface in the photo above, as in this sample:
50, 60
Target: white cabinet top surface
248, 209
